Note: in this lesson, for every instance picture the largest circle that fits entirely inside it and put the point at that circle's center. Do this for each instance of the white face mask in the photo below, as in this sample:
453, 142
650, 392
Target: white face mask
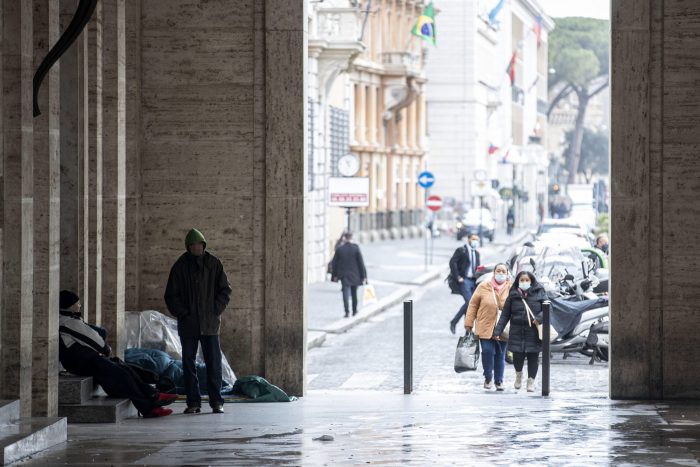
474, 243
501, 278
524, 286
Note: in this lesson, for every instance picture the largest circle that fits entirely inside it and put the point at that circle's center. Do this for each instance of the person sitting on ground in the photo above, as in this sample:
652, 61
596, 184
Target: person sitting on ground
84, 352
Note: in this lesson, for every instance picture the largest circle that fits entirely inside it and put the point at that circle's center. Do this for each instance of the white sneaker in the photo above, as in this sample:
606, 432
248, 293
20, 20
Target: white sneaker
487, 384
518, 379
531, 385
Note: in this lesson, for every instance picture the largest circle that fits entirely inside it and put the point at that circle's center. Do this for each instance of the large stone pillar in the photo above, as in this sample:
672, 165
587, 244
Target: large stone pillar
655, 221
92, 170
18, 200
285, 148
71, 157
113, 172
47, 212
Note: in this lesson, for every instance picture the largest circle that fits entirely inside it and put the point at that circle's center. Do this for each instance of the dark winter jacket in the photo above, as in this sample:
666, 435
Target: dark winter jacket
523, 337
348, 265
460, 261
79, 343
197, 294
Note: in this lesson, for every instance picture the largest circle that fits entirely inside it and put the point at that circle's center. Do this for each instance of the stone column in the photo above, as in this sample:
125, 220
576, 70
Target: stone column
47, 210
361, 115
113, 172
71, 157
372, 116
92, 171
133, 153
285, 147
18, 199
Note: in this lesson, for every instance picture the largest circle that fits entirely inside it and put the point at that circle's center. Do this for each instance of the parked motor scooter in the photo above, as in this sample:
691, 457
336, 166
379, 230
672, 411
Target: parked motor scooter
598, 341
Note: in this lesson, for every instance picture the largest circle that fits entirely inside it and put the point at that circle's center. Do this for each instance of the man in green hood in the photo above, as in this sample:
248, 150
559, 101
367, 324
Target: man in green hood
197, 294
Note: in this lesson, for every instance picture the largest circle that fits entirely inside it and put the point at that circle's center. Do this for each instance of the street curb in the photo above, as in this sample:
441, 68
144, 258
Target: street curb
345, 324
315, 339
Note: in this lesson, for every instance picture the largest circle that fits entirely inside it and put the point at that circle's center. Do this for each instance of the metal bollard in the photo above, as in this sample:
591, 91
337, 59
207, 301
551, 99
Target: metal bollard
408, 347
546, 307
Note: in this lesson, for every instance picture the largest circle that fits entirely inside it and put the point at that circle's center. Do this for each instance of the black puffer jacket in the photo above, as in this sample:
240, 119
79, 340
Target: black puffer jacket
197, 293
523, 337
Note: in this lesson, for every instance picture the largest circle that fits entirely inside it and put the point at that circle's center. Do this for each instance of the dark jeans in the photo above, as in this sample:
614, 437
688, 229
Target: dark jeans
349, 290
493, 357
533, 361
118, 380
211, 350
467, 289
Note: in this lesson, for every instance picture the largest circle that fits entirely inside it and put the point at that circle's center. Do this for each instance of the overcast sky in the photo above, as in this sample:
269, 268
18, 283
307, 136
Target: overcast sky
590, 8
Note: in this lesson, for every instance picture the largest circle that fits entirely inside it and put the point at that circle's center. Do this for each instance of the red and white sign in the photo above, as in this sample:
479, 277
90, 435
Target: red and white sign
434, 203
348, 192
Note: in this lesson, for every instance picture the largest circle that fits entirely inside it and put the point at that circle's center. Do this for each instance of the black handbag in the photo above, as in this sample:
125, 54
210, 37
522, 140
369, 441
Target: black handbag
453, 285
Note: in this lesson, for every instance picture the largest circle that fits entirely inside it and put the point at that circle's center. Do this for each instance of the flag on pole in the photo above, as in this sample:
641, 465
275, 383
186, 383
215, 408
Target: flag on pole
493, 149
493, 14
425, 26
511, 67
537, 29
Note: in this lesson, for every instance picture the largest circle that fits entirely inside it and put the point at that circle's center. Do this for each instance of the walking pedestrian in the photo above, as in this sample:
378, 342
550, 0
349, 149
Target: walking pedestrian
197, 294
83, 351
463, 266
348, 267
523, 338
510, 220
482, 315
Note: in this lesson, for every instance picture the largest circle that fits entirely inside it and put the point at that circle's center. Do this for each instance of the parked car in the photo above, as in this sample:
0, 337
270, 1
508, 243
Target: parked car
478, 221
566, 226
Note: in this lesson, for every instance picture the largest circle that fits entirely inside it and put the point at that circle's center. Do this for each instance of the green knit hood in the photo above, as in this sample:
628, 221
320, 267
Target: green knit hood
194, 236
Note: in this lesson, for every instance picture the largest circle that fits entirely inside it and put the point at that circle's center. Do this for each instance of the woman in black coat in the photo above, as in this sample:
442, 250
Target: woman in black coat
523, 339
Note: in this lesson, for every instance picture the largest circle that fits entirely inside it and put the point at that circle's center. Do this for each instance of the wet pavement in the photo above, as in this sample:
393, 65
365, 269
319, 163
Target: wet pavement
382, 428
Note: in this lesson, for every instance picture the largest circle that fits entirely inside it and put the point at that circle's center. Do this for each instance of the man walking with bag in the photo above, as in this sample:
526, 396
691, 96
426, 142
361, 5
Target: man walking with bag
463, 266
197, 294
349, 267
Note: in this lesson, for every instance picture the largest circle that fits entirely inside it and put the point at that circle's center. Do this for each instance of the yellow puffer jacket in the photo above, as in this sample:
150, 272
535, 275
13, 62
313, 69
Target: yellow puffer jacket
482, 313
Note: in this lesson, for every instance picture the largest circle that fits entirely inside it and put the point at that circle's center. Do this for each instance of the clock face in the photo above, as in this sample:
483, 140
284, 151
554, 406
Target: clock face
348, 165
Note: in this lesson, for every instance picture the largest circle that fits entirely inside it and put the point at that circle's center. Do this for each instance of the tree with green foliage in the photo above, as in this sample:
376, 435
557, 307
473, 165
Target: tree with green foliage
579, 54
594, 152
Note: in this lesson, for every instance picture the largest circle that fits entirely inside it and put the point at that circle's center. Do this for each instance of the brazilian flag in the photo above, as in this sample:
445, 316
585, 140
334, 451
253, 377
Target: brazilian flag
425, 26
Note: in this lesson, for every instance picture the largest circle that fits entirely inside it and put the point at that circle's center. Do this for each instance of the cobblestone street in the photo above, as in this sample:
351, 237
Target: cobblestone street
370, 356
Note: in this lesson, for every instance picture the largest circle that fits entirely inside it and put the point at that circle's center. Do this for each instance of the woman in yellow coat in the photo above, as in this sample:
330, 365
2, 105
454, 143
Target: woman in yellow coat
482, 316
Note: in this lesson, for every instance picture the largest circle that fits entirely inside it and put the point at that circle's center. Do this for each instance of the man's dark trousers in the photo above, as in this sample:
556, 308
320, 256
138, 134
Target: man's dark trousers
211, 349
467, 289
350, 291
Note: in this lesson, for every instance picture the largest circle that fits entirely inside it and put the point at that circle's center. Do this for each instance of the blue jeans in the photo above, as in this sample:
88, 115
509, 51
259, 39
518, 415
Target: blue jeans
493, 357
467, 289
211, 350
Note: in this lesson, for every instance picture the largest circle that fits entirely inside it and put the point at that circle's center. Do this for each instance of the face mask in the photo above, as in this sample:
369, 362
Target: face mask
524, 286
604, 248
474, 244
500, 278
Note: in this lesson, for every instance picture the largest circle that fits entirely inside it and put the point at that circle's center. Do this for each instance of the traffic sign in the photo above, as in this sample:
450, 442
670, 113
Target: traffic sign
434, 203
426, 179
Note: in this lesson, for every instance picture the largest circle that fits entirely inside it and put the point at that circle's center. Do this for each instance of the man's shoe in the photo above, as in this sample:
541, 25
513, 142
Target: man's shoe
531, 385
518, 379
217, 409
158, 412
487, 384
453, 328
354, 312
347, 314
499, 386
193, 409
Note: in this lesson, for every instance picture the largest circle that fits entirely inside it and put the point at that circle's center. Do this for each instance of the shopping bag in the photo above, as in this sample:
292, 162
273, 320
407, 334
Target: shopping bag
467, 353
368, 295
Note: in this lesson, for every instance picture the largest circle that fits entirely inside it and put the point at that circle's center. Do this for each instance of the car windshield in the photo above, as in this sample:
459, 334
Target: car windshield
475, 216
552, 263
551, 228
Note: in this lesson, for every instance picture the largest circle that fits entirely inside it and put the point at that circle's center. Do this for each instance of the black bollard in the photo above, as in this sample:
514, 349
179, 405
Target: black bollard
546, 307
408, 347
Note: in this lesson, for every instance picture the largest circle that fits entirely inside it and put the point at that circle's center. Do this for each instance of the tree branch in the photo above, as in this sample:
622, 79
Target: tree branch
566, 90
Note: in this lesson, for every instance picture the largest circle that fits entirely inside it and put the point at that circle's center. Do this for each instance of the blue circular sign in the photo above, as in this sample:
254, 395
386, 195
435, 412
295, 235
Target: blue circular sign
426, 179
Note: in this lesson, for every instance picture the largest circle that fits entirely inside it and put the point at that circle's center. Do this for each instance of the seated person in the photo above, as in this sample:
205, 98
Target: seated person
84, 352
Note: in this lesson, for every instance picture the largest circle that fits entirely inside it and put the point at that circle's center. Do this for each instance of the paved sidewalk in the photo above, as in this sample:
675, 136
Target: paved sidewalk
380, 428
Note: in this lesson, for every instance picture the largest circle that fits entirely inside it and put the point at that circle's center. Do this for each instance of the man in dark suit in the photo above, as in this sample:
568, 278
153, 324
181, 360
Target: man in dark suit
463, 266
348, 267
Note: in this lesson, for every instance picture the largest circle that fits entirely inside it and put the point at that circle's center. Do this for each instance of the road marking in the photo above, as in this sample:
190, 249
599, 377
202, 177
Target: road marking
365, 380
